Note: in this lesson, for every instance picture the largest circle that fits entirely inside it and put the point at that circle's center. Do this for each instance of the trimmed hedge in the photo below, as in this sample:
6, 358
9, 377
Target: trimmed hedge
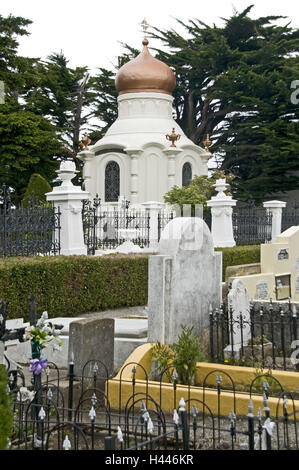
6, 417
73, 285
239, 255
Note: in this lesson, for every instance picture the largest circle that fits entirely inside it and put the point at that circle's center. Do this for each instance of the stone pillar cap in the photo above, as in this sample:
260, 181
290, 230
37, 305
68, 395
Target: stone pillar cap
228, 201
154, 204
274, 204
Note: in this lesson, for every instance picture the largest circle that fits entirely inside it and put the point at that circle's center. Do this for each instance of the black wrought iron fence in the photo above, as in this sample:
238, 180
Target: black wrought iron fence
290, 216
92, 420
107, 229
264, 337
164, 217
28, 231
252, 225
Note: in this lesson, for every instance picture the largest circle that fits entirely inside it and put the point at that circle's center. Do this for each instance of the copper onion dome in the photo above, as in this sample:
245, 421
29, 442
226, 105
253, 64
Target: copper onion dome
145, 73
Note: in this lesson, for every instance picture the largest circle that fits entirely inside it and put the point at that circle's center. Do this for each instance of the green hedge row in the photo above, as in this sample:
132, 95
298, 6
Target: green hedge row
239, 255
6, 418
73, 285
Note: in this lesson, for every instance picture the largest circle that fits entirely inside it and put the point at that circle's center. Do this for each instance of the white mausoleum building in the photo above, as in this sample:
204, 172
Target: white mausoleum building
135, 159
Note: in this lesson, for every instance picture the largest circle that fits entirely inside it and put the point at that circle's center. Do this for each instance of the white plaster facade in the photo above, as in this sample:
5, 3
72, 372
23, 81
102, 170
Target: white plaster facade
136, 141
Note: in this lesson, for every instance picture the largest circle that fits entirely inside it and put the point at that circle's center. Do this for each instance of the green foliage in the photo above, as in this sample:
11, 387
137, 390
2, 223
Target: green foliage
28, 143
181, 356
36, 189
258, 340
73, 285
6, 416
260, 377
200, 190
234, 83
237, 255
163, 356
186, 355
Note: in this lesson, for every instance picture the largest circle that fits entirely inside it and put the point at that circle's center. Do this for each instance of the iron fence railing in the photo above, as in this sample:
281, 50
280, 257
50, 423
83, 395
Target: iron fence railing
28, 231
106, 229
290, 217
263, 336
56, 409
88, 421
93, 410
252, 225
164, 217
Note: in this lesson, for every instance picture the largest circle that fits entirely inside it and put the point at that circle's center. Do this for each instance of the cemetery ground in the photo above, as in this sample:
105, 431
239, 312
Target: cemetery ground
206, 430
213, 402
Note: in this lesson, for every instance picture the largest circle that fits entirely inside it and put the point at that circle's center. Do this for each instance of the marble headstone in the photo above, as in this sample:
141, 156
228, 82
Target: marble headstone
184, 280
239, 303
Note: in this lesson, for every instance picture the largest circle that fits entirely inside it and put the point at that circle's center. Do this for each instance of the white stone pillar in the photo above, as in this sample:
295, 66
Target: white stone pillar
134, 154
171, 153
222, 211
205, 157
154, 208
87, 156
275, 207
69, 200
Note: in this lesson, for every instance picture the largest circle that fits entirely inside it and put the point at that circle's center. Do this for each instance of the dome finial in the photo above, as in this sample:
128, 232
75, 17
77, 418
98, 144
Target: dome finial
145, 73
144, 25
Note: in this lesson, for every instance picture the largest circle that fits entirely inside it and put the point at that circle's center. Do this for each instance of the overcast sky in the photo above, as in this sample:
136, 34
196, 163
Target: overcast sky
89, 32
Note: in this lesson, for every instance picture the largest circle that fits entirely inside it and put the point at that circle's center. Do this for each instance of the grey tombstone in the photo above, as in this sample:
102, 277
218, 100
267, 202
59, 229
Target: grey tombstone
184, 280
91, 340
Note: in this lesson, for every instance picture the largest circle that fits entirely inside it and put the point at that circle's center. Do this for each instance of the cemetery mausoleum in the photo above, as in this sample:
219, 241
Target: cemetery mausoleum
144, 153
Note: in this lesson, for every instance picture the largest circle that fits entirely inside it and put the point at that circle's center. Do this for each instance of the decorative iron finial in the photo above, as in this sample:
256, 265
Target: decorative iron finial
207, 143
85, 142
173, 137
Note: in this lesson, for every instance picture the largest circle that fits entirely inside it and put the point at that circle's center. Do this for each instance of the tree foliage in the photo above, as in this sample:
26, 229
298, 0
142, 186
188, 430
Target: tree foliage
234, 83
199, 191
36, 189
28, 141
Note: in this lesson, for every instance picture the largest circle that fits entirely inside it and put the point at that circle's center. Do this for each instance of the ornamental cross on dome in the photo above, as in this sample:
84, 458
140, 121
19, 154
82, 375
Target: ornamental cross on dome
144, 25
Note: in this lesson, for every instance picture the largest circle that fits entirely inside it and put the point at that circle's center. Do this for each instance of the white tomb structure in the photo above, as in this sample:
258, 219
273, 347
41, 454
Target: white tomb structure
144, 153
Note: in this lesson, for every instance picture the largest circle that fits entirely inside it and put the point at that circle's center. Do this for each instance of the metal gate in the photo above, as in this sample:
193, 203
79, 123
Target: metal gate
252, 225
105, 229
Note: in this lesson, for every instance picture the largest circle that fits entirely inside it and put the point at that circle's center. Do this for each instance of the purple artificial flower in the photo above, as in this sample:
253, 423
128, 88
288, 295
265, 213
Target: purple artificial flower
37, 365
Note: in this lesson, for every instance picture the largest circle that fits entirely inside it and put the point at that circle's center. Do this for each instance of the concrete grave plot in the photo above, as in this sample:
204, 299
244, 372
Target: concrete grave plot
279, 273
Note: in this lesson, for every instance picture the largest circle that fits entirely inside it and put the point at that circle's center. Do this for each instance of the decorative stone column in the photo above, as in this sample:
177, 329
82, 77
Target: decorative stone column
154, 208
205, 157
68, 198
134, 154
87, 156
222, 210
171, 153
275, 207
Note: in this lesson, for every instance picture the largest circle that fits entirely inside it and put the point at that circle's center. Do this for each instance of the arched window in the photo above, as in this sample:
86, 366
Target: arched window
112, 180
186, 174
